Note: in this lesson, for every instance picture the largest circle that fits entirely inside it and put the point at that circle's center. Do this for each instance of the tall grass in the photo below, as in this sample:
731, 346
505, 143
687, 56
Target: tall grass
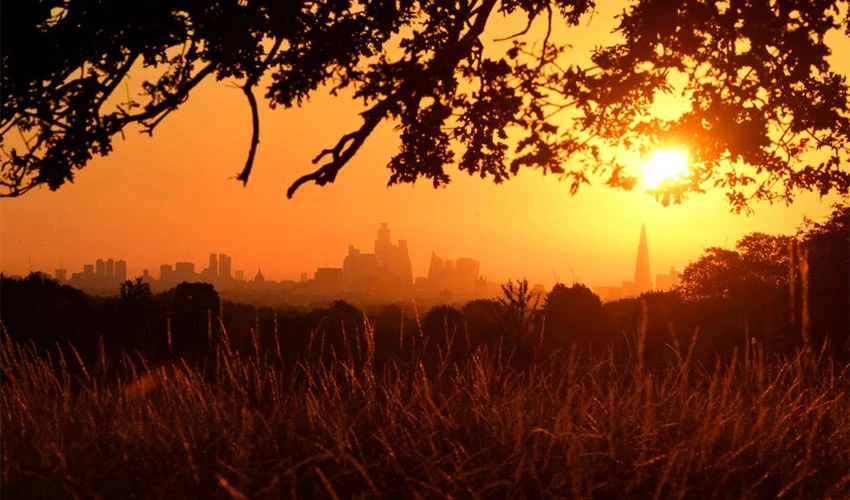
348, 426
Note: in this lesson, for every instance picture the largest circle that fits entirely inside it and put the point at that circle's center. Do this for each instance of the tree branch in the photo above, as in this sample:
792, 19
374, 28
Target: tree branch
441, 66
255, 135
247, 89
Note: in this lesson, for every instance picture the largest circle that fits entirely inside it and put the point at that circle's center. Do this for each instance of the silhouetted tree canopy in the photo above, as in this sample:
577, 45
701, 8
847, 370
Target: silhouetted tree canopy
768, 115
759, 263
572, 314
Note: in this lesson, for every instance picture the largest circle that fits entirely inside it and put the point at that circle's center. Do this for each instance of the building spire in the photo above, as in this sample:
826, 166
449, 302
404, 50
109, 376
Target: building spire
642, 281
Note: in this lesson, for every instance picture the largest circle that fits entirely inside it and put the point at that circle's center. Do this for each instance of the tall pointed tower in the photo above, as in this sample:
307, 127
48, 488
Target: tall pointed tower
642, 282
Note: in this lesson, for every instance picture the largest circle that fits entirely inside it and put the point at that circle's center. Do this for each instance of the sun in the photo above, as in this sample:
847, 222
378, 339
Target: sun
664, 165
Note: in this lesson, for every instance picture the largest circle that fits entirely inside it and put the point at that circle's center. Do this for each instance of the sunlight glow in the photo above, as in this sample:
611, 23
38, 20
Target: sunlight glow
664, 165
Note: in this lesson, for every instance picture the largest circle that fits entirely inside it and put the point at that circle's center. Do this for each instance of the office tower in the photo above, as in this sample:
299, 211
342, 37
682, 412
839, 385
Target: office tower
642, 282
667, 282
110, 269
184, 271
223, 265
88, 271
166, 273
121, 271
393, 259
100, 269
212, 269
61, 275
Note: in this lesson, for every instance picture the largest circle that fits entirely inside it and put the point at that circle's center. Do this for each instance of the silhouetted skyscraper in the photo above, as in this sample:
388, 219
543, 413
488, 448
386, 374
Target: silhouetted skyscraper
223, 265
100, 269
212, 269
166, 272
184, 271
393, 259
643, 281
61, 275
121, 271
110, 269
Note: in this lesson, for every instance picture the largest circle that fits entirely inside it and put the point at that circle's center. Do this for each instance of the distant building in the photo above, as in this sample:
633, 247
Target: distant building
642, 282
61, 275
360, 270
184, 271
303, 277
259, 278
460, 277
667, 282
166, 273
212, 268
121, 271
100, 269
224, 262
327, 281
393, 259
110, 270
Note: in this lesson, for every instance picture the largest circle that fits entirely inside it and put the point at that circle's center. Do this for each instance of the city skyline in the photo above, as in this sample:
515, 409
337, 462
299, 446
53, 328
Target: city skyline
386, 273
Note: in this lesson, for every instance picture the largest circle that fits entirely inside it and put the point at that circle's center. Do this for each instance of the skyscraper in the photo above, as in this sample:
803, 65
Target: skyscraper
121, 271
212, 269
642, 282
110, 269
100, 269
223, 265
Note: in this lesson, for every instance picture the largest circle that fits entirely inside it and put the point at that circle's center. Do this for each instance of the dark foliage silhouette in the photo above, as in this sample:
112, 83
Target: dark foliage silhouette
757, 76
39, 309
827, 255
194, 326
572, 315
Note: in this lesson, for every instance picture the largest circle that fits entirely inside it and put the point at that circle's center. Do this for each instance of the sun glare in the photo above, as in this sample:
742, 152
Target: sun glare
664, 165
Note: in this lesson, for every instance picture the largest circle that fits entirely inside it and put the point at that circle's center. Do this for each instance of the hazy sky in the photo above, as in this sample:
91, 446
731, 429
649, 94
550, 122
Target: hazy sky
173, 197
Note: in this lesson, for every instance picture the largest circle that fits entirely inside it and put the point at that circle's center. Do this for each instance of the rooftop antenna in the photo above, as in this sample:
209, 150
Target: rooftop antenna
575, 280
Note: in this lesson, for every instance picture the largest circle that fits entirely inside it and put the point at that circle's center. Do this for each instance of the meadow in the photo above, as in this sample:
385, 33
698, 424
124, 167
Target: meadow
501, 422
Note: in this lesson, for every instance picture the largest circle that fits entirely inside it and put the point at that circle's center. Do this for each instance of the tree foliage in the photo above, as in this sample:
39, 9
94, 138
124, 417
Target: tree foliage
768, 115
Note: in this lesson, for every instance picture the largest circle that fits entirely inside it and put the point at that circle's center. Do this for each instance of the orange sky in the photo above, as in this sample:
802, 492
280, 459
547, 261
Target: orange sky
174, 198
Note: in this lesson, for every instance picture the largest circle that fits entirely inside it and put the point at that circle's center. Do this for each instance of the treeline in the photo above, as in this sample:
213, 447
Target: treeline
784, 292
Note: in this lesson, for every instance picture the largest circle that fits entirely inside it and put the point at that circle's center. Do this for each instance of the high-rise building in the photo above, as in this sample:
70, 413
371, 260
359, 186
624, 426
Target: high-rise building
393, 259
184, 271
667, 282
88, 271
223, 266
643, 280
61, 275
212, 269
120, 271
110, 269
166, 272
100, 269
